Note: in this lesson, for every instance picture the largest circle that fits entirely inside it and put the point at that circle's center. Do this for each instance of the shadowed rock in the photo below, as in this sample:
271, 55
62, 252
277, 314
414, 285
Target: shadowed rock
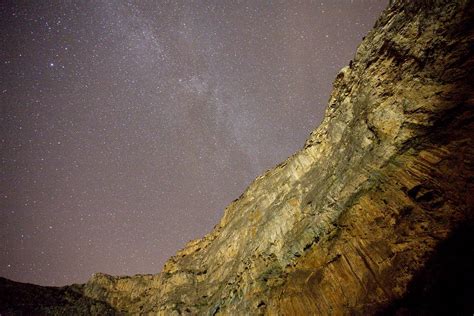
29, 299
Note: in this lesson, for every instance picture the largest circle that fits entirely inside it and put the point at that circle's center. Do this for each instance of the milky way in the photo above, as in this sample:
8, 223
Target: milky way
127, 127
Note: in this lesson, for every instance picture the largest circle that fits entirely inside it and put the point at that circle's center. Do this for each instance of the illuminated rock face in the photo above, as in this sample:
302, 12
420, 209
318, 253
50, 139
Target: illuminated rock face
373, 215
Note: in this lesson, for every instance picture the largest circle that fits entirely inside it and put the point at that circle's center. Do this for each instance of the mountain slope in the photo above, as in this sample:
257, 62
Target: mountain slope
29, 299
373, 215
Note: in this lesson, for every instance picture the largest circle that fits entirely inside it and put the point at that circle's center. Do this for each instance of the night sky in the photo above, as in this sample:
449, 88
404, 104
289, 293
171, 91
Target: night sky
128, 126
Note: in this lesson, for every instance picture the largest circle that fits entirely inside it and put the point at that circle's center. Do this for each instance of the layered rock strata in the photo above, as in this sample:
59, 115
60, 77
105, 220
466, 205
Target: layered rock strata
373, 215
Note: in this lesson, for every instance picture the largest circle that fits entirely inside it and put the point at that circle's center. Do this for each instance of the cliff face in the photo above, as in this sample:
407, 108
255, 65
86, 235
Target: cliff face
373, 215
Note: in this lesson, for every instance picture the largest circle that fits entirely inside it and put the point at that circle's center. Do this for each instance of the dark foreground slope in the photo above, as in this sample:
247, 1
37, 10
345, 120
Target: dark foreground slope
373, 215
29, 299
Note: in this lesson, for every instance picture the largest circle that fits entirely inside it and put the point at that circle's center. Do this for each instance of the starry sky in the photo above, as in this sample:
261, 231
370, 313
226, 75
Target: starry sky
126, 127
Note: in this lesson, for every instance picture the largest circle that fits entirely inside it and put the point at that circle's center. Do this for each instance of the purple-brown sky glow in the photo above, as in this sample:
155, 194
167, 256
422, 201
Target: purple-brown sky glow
128, 126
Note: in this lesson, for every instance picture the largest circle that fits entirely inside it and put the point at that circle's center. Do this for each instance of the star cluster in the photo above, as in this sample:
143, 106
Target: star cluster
128, 126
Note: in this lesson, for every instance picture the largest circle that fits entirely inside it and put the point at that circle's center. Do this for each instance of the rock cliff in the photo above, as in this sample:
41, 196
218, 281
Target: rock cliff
373, 215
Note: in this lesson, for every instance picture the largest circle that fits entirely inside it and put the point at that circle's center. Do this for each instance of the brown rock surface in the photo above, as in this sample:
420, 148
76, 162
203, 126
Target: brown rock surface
373, 215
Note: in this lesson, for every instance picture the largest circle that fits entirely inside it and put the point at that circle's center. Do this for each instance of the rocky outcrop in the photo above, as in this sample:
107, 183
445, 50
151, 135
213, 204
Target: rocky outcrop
373, 215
